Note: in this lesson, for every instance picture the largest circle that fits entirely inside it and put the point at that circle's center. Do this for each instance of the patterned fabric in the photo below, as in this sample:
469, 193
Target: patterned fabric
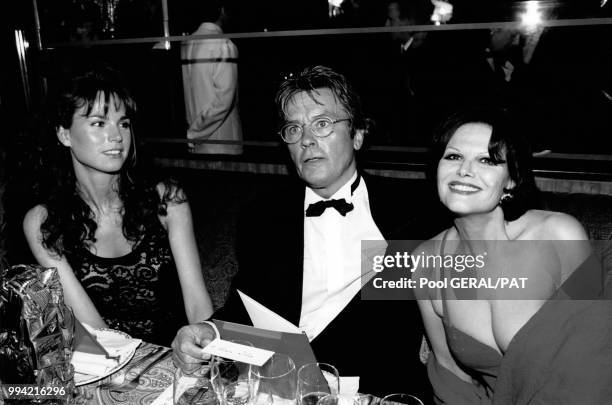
138, 293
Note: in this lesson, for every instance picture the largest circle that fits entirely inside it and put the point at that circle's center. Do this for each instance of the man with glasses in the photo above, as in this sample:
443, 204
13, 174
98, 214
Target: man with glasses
300, 251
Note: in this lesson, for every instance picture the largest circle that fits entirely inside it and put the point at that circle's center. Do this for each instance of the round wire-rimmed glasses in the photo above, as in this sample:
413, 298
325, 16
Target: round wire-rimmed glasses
321, 128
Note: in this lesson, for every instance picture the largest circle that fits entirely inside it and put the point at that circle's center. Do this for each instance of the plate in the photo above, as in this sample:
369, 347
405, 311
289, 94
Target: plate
82, 379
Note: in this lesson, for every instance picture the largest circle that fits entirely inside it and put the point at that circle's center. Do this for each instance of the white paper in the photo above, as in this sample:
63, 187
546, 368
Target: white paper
349, 385
264, 318
115, 344
238, 352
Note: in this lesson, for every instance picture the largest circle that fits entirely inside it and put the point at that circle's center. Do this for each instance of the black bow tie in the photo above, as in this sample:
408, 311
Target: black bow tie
316, 209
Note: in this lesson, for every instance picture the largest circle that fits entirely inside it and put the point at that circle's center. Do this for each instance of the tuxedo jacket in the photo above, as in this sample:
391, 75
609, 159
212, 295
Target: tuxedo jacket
376, 340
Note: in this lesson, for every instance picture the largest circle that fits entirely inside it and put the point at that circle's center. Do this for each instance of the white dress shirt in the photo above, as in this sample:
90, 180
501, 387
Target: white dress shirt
332, 256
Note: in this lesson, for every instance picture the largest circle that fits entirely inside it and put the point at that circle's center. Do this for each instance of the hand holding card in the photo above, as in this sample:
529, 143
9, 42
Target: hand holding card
238, 352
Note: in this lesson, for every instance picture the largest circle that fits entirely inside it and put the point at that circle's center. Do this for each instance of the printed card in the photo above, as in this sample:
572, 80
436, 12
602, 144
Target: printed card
238, 352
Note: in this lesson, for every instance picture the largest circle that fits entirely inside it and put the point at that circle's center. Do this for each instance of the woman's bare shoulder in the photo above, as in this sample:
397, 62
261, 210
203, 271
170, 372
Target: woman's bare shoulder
35, 216
551, 225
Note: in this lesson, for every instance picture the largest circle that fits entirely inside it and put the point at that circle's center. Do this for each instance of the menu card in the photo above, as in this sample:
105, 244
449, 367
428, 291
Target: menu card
294, 345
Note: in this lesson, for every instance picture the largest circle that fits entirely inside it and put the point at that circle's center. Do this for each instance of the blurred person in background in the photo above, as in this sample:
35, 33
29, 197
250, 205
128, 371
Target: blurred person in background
210, 83
123, 244
412, 60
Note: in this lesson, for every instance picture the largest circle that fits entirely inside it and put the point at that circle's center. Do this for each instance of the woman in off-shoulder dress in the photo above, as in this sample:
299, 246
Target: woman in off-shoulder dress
546, 339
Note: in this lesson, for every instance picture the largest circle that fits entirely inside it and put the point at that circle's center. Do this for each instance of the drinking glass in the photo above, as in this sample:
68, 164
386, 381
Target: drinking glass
316, 380
339, 399
275, 381
192, 388
405, 399
237, 393
224, 371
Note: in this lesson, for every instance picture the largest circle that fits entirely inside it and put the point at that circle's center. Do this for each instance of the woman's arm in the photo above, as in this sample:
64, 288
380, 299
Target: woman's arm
75, 295
437, 338
179, 224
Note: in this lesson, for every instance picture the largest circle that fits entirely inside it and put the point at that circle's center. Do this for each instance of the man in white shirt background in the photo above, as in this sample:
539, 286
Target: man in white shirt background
210, 84
299, 251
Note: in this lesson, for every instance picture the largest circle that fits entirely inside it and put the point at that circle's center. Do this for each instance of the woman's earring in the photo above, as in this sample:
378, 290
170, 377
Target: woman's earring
505, 198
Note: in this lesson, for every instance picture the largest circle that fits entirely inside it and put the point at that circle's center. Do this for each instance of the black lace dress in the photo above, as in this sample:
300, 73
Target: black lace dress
138, 293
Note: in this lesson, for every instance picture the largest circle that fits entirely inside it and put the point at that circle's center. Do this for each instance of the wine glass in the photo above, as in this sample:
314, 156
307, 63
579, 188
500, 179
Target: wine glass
340, 399
192, 388
316, 380
238, 392
405, 399
225, 371
275, 381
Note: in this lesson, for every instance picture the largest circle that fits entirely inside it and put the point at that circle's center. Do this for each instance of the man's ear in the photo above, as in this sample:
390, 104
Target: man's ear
63, 135
358, 138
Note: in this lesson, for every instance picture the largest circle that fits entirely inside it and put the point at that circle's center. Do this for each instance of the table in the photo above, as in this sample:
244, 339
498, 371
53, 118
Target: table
152, 384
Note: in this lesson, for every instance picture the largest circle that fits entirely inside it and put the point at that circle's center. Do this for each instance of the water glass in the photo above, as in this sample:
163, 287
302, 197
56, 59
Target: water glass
192, 388
275, 381
225, 371
316, 380
339, 399
402, 399
237, 393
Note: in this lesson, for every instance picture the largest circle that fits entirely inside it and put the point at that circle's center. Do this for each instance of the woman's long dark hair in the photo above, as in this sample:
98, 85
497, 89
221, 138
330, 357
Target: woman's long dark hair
70, 224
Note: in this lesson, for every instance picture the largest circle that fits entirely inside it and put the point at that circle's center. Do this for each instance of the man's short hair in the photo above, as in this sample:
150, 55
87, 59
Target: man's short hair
314, 78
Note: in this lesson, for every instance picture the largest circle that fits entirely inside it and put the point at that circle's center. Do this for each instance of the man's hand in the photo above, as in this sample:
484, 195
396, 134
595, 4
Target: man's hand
188, 344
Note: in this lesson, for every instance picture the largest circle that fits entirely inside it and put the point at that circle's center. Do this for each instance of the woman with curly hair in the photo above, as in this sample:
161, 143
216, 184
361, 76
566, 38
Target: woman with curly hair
119, 242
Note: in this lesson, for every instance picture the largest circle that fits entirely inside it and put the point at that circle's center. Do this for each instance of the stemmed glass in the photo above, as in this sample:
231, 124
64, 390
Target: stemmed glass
400, 399
225, 371
275, 381
237, 393
316, 380
338, 399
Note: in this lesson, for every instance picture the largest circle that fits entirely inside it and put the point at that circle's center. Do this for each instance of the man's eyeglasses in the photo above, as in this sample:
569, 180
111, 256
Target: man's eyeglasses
321, 128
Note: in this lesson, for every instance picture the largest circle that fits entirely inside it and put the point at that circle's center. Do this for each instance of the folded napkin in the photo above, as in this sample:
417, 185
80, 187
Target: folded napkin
117, 346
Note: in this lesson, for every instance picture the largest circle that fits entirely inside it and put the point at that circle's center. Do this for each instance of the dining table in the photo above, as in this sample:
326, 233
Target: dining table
152, 386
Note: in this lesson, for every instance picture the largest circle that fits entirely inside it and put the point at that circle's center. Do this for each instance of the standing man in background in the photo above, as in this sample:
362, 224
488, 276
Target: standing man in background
210, 83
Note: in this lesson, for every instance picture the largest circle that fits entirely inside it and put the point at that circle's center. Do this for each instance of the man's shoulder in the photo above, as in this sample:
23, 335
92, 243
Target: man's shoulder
273, 206
373, 183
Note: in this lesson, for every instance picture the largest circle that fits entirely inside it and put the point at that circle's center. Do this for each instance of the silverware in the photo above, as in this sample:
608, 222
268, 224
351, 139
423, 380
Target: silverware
119, 382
